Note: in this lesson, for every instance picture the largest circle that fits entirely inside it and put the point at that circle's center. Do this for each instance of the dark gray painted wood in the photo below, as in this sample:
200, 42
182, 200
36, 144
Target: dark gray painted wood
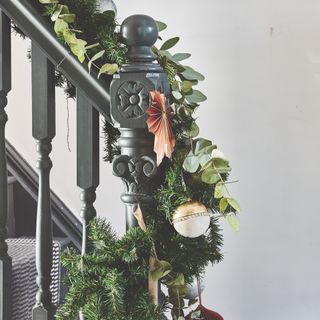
26, 176
130, 98
43, 129
87, 160
5, 87
36, 27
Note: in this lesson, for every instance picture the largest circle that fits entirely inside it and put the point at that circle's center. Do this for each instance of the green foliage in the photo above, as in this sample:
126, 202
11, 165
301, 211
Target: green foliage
110, 282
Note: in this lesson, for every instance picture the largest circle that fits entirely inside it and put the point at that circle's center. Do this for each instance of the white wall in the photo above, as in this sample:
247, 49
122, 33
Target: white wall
262, 63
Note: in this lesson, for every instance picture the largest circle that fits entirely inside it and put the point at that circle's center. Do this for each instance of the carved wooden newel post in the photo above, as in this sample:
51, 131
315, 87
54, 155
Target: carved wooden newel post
130, 97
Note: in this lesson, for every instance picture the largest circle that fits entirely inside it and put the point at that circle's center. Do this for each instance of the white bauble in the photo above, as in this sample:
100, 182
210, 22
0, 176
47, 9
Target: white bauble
191, 219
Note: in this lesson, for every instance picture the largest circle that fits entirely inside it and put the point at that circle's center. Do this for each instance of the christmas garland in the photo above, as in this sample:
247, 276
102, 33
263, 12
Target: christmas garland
111, 281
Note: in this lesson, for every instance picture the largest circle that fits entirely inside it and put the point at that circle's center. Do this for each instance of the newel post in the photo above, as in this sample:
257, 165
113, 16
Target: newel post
130, 97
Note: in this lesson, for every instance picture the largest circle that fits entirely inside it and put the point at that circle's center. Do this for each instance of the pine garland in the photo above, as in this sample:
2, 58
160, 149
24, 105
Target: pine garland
110, 282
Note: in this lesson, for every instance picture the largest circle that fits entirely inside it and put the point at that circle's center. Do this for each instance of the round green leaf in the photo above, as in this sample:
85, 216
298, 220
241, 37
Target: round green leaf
201, 144
177, 95
186, 86
191, 163
170, 43
220, 190
210, 176
196, 96
234, 204
161, 26
191, 74
108, 68
59, 27
181, 56
223, 204
233, 222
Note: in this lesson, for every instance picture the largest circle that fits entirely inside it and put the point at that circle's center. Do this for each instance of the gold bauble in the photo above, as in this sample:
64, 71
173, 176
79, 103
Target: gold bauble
191, 219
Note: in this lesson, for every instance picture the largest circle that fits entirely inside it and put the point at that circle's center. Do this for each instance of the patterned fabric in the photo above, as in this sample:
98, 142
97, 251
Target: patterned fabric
24, 273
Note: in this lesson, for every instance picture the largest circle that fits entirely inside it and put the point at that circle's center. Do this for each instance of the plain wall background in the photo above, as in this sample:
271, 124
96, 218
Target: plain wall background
262, 65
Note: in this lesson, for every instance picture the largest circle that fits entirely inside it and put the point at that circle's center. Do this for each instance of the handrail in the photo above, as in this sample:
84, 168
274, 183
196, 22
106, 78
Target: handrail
38, 30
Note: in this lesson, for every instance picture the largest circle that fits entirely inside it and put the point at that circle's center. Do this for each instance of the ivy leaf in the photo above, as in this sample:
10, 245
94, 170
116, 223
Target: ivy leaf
191, 74
161, 26
223, 204
233, 222
69, 36
210, 176
234, 204
177, 95
181, 56
220, 190
196, 96
60, 26
68, 17
186, 86
170, 43
95, 57
108, 68
57, 12
79, 49
162, 268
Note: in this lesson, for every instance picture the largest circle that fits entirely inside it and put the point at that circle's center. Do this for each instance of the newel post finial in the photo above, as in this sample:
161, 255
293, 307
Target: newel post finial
130, 98
139, 32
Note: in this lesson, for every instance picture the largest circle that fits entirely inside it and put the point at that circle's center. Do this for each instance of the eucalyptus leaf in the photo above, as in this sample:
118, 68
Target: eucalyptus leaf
223, 204
204, 158
161, 26
216, 153
165, 53
60, 26
234, 204
221, 165
177, 95
191, 163
233, 222
196, 96
181, 56
170, 43
108, 68
201, 144
210, 176
193, 132
186, 86
191, 74
220, 190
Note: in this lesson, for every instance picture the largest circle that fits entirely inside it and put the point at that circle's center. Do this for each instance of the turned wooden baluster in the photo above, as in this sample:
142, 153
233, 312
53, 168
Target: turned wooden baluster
5, 87
87, 161
43, 130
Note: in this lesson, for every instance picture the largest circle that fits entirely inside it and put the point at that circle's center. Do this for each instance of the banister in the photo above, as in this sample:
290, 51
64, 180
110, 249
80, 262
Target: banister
39, 30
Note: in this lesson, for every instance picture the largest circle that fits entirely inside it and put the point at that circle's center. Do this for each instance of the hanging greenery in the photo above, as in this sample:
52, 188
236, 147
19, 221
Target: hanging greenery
110, 282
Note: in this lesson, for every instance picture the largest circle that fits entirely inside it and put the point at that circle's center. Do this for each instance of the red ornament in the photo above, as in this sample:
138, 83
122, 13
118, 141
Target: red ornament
206, 314
160, 124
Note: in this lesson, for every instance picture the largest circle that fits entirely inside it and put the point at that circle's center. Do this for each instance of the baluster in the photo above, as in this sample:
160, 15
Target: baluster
43, 130
5, 87
87, 161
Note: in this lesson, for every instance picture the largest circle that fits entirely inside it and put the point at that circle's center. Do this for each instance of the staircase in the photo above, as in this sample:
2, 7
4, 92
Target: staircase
136, 164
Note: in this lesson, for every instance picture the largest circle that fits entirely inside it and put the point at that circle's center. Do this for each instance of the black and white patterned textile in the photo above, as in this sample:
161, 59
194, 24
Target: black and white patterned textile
24, 273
